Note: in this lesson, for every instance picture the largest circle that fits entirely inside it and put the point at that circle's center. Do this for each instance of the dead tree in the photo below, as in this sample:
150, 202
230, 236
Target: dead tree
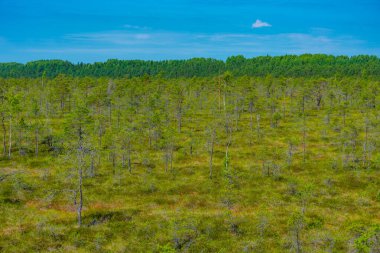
210, 146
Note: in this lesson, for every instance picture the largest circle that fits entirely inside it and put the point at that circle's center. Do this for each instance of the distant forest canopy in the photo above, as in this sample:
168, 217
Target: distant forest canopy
307, 65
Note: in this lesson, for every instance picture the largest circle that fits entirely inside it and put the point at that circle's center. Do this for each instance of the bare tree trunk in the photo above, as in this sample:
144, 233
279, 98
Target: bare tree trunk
36, 139
110, 113
129, 161
171, 158
344, 155
290, 154
4, 134
10, 138
344, 109
211, 156
291, 102
227, 163
80, 178
258, 126
304, 140
365, 158
272, 110
118, 117
127, 156
210, 148
344, 116
220, 94
150, 137
69, 102
224, 100
80, 204
237, 115
304, 129
166, 159
123, 160
251, 120
62, 105
20, 141
179, 117
224, 96
298, 242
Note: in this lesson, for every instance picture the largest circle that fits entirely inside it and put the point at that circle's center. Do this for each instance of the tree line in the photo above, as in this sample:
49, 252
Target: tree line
307, 65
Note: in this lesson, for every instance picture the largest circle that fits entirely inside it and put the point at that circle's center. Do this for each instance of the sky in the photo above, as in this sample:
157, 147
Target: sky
97, 30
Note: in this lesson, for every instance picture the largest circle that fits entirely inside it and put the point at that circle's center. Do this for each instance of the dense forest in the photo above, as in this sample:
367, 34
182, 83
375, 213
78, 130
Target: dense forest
308, 65
269, 154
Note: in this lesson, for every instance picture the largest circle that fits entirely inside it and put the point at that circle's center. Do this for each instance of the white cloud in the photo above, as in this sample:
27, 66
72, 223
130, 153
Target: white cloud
259, 24
135, 27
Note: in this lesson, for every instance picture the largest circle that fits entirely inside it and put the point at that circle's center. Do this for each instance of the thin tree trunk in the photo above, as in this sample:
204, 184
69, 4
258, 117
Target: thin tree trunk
211, 156
224, 101
304, 140
220, 93
80, 178
61, 105
258, 126
250, 109
166, 159
10, 139
304, 129
20, 141
179, 123
298, 242
118, 117
237, 116
171, 158
36, 138
150, 137
366, 145
129, 161
80, 204
4, 134
123, 160
110, 114
290, 154
179, 118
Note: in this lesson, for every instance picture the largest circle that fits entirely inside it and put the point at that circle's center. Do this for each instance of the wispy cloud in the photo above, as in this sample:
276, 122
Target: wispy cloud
321, 30
158, 45
142, 36
135, 27
260, 24
111, 37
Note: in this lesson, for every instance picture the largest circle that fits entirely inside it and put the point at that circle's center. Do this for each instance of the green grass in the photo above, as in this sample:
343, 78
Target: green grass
244, 209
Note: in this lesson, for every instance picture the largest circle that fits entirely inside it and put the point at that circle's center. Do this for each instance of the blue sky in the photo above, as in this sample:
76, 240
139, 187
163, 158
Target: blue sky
94, 30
